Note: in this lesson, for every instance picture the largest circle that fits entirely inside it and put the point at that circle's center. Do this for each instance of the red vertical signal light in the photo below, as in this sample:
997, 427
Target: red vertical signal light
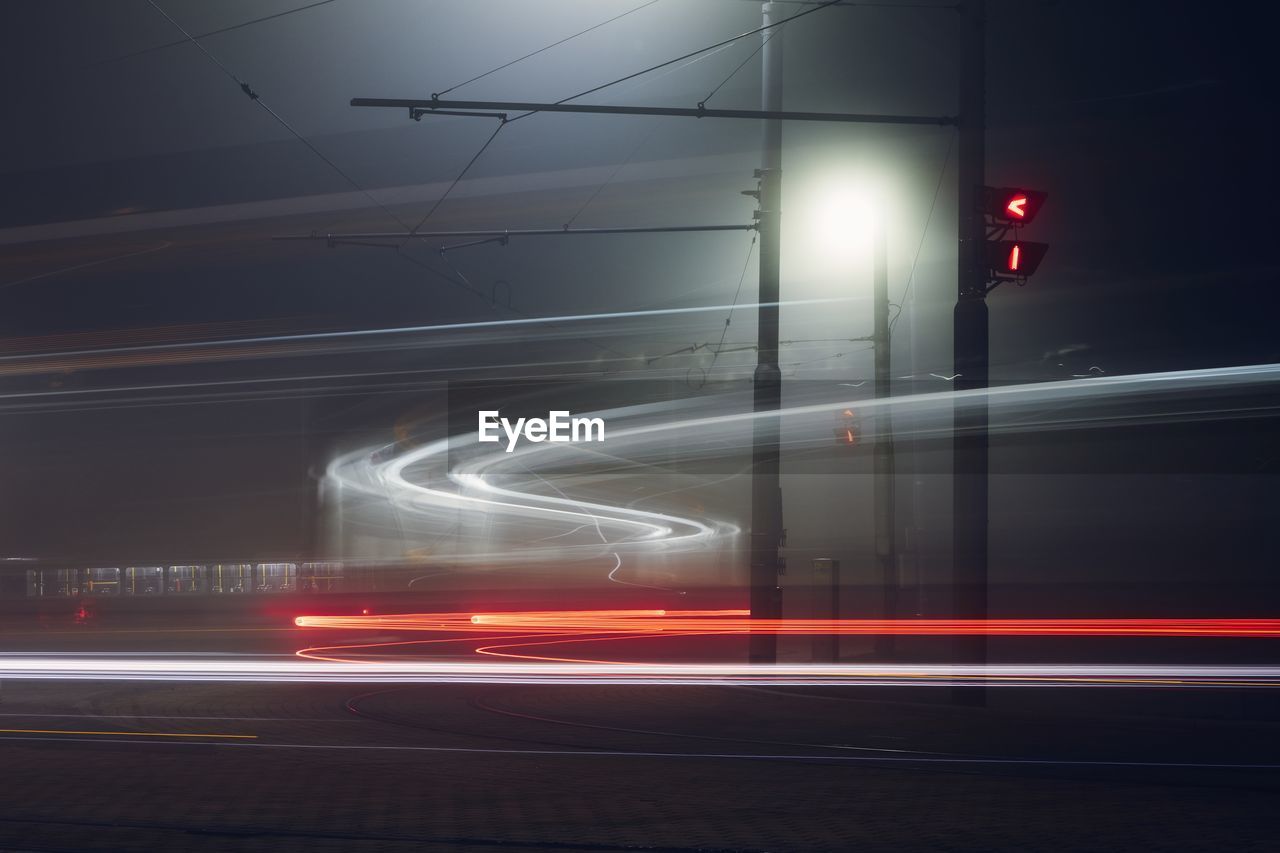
1014, 258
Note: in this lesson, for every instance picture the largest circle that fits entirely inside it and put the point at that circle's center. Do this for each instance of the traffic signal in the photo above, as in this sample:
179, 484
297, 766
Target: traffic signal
1006, 210
1012, 206
848, 432
1014, 258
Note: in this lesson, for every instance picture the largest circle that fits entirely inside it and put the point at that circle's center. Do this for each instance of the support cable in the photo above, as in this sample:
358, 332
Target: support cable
635, 149
253, 95
238, 26
501, 124
639, 144
737, 293
858, 4
541, 49
942, 173
257, 99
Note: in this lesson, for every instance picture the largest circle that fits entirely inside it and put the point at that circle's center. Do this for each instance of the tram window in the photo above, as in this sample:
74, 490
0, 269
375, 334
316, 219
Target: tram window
102, 581
226, 578
276, 577
61, 582
321, 577
144, 580
187, 579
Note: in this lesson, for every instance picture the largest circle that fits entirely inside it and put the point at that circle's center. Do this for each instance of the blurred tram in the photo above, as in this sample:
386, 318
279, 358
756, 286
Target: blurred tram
215, 579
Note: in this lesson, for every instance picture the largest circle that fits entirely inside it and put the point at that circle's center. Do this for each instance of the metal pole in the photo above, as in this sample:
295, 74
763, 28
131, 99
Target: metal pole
766, 488
883, 460
970, 348
507, 233
913, 530
418, 108
825, 586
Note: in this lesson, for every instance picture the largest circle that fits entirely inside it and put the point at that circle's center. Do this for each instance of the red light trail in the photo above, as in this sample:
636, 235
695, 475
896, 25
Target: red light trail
563, 627
646, 622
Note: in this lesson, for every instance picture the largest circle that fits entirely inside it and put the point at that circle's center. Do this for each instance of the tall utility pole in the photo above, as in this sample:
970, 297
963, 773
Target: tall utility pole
885, 497
766, 493
766, 484
970, 348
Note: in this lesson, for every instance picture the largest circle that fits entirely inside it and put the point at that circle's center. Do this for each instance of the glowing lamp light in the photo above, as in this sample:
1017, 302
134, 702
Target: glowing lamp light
834, 216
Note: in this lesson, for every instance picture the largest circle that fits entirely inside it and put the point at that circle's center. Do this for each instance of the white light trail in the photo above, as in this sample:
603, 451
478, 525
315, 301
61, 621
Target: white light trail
285, 670
505, 499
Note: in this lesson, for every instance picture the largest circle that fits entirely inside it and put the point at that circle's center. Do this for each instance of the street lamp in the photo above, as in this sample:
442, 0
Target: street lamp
838, 215
844, 222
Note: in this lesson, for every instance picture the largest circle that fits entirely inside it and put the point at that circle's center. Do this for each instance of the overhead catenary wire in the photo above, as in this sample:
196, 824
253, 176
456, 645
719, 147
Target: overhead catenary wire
859, 4
465, 284
257, 99
417, 112
741, 65
461, 281
635, 149
543, 49
693, 53
216, 32
797, 364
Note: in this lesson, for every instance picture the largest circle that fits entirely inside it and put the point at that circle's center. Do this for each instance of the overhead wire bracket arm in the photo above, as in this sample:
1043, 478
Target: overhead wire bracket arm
493, 109
512, 232
416, 113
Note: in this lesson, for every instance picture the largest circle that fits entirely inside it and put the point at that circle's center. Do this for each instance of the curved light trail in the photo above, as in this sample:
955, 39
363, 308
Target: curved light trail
548, 506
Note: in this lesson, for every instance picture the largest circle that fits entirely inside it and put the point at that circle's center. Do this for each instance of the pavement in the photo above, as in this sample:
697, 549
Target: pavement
475, 767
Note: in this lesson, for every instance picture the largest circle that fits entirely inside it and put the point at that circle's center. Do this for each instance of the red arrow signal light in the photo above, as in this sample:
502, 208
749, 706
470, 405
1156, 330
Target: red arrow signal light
1011, 205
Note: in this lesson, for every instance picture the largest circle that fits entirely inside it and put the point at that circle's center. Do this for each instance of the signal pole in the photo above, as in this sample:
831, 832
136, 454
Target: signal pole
766, 484
885, 499
766, 494
970, 351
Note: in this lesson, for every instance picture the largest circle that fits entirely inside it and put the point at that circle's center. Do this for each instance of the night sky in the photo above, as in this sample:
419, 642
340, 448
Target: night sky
1148, 123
